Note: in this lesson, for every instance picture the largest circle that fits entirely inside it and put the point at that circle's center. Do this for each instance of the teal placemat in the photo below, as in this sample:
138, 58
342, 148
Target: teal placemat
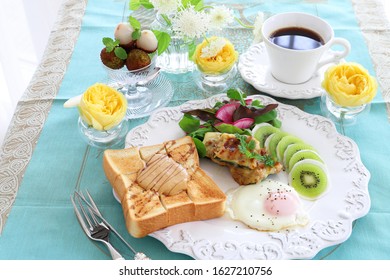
42, 224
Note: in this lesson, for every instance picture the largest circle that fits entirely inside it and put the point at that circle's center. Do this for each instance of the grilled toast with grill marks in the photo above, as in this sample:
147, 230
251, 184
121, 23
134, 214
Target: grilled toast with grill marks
162, 185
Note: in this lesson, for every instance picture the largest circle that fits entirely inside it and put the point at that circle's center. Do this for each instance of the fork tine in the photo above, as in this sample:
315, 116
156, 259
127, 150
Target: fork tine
79, 217
93, 203
83, 210
95, 209
93, 216
91, 209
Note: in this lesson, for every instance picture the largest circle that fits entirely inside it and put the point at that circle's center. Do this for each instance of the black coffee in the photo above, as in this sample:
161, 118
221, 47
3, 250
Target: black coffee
296, 38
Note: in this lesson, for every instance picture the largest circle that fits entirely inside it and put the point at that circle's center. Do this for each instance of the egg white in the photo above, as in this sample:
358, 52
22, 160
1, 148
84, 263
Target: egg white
247, 204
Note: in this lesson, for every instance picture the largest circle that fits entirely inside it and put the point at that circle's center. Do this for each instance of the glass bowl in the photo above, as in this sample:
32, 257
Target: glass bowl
102, 138
344, 115
145, 89
212, 84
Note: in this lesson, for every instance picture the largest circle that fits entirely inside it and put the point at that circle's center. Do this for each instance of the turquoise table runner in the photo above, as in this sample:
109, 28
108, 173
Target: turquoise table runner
42, 224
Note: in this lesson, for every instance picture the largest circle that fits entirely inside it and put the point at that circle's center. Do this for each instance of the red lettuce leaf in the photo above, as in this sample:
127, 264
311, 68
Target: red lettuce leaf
252, 112
203, 114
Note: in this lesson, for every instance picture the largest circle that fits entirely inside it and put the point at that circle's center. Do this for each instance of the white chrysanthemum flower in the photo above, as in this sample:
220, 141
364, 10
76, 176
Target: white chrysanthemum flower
213, 48
220, 16
257, 28
190, 23
166, 7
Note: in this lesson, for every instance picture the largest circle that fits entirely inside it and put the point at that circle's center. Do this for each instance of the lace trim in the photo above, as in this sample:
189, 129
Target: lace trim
30, 117
376, 31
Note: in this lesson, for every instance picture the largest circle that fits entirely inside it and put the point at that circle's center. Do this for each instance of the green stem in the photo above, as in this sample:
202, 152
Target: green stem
167, 20
206, 39
205, 7
243, 24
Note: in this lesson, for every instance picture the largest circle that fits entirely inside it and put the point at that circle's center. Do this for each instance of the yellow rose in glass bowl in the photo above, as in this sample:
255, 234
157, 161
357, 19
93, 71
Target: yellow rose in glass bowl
215, 55
102, 107
349, 84
349, 89
216, 60
102, 112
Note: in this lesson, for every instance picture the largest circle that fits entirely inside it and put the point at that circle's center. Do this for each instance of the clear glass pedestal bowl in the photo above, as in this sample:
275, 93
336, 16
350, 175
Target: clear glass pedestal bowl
212, 84
342, 115
145, 89
103, 139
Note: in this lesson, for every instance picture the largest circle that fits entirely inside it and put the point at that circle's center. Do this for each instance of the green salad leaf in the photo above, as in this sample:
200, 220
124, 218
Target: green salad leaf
229, 128
257, 103
236, 94
189, 123
200, 132
200, 147
269, 116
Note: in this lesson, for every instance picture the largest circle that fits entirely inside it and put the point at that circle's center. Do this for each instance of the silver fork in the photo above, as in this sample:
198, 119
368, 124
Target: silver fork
95, 230
90, 203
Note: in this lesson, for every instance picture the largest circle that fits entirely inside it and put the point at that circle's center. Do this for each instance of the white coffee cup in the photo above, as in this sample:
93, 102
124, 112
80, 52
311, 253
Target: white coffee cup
294, 66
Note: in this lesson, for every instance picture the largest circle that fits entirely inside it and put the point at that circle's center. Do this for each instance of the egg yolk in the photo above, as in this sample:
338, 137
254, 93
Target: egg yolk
281, 203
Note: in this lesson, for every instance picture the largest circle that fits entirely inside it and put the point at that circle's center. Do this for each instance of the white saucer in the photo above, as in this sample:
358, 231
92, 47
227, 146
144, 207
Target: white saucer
254, 69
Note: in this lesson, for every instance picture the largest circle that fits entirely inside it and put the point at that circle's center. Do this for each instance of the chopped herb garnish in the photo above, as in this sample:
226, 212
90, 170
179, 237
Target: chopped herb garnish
248, 150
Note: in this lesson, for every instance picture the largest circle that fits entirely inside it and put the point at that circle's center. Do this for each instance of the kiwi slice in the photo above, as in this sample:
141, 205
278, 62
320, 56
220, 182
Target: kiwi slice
262, 131
303, 154
292, 149
266, 143
284, 143
276, 137
309, 178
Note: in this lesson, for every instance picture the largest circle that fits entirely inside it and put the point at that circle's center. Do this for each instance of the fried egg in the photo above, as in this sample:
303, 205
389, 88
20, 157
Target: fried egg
266, 206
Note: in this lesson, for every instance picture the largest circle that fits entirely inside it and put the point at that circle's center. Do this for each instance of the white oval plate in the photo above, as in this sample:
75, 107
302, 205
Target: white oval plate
253, 66
331, 216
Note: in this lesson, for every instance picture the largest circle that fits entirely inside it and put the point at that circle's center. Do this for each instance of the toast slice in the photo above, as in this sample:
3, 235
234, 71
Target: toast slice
184, 152
121, 168
162, 185
206, 195
143, 211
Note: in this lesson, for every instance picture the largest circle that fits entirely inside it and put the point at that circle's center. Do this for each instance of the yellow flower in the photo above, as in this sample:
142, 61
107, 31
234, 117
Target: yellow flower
215, 55
102, 107
349, 84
